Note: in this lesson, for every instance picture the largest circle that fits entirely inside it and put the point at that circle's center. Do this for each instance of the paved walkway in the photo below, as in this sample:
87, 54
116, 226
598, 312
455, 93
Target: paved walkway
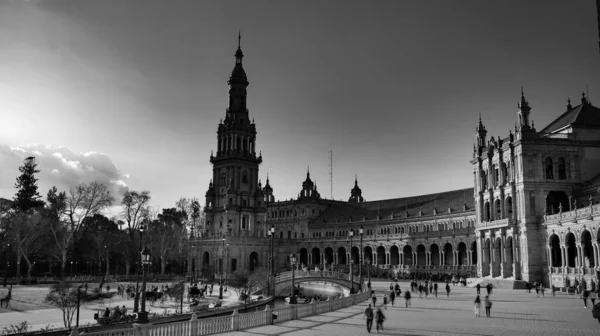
514, 312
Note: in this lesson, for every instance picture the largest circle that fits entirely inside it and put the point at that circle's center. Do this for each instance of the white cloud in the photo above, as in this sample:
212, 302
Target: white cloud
60, 167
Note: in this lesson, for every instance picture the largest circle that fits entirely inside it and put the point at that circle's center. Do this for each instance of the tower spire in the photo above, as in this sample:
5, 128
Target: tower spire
239, 39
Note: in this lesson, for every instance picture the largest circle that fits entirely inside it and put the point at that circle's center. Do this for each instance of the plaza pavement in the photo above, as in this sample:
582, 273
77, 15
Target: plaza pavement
514, 312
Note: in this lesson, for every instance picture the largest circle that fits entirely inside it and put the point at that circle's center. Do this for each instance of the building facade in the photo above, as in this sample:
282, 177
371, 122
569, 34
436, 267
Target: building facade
532, 213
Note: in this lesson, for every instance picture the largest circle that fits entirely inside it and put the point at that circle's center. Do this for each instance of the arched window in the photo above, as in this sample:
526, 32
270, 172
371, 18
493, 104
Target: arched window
245, 177
549, 169
562, 169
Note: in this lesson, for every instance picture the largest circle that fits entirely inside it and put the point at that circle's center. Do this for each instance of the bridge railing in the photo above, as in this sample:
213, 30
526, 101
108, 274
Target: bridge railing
287, 276
235, 322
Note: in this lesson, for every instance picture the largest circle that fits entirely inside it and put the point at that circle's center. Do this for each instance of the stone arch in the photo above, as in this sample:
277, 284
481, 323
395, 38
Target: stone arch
508, 207
555, 251
497, 257
508, 245
394, 255
381, 255
316, 256
571, 246
587, 249
253, 261
328, 257
486, 257
448, 257
407, 252
304, 256
462, 254
354, 255
435, 254
368, 253
341, 255
421, 255
498, 209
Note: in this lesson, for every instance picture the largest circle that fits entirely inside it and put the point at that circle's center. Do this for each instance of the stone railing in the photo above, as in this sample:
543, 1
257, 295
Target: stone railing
236, 321
574, 215
495, 224
376, 237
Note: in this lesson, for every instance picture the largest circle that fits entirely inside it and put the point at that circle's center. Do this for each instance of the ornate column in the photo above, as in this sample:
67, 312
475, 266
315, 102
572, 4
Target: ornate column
566, 259
595, 248
402, 259
374, 258
415, 258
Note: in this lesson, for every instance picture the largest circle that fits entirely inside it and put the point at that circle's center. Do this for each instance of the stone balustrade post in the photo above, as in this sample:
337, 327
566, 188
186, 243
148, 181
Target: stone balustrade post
235, 320
194, 325
140, 329
295, 312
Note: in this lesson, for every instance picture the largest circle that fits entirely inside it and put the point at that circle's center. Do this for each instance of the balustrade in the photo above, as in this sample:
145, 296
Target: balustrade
573, 215
235, 322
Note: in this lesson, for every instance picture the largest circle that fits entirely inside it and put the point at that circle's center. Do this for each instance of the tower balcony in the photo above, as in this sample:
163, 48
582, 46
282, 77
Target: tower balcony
235, 154
499, 223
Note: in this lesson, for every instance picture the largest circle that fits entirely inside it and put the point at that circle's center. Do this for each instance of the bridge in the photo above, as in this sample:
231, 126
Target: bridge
283, 281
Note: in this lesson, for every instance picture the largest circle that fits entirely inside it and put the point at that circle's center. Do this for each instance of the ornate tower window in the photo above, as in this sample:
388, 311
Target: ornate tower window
562, 169
549, 169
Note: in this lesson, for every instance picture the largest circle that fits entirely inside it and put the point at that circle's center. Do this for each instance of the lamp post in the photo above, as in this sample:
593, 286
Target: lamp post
222, 270
136, 299
360, 259
78, 302
351, 234
226, 264
293, 264
369, 271
143, 315
272, 259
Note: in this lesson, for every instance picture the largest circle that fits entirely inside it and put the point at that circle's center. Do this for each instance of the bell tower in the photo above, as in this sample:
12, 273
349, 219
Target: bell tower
234, 201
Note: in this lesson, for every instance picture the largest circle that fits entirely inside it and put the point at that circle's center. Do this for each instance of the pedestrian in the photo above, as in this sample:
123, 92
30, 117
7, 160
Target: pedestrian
542, 289
392, 297
385, 301
391, 286
528, 287
420, 290
537, 289
477, 306
369, 317
478, 289
435, 288
374, 299
593, 297
585, 296
407, 298
488, 288
447, 290
554, 291
380, 318
431, 287
488, 306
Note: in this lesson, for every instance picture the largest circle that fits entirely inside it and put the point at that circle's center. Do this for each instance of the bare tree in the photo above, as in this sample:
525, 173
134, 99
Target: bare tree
26, 228
135, 211
84, 201
64, 296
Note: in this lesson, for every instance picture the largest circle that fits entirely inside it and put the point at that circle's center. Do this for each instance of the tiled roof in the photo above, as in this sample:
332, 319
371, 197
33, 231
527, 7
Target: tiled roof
584, 114
455, 200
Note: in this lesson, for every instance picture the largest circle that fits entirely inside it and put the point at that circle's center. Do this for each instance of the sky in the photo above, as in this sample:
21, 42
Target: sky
130, 93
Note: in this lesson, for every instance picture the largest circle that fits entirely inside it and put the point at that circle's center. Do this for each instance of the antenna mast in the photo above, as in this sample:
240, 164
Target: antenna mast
331, 171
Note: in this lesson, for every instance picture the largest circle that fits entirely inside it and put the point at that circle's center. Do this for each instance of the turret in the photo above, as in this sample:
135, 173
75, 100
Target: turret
523, 110
356, 193
481, 133
268, 192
